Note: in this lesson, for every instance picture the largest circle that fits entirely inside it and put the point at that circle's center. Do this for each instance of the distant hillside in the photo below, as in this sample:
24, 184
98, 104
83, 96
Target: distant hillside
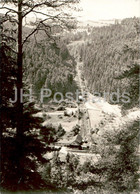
107, 52
99, 23
47, 62
49, 66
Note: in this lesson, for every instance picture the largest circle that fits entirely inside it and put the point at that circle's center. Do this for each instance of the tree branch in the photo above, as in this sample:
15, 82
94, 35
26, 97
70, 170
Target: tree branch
48, 4
38, 12
9, 37
35, 6
11, 10
36, 29
9, 18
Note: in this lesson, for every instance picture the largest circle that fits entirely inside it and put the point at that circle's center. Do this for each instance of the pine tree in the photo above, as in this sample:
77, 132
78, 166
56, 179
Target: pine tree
22, 146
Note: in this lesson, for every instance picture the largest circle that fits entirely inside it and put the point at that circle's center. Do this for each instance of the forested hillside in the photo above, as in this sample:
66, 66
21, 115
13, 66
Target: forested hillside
49, 65
71, 147
107, 52
47, 62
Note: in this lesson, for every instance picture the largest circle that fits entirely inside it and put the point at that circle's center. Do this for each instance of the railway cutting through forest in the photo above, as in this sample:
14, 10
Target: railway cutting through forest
89, 116
92, 112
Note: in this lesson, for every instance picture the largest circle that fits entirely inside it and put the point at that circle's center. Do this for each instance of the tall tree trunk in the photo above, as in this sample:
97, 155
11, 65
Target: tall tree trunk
19, 75
0, 111
19, 139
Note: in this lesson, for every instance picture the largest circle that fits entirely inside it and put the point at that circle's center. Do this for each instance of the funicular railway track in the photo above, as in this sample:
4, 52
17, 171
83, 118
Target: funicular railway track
86, 124
92, 112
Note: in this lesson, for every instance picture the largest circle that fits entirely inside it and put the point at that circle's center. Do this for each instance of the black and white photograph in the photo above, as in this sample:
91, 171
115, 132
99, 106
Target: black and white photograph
69, 96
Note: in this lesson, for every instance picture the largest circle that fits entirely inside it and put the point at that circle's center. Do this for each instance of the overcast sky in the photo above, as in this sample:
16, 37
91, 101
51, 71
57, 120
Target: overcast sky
109, 9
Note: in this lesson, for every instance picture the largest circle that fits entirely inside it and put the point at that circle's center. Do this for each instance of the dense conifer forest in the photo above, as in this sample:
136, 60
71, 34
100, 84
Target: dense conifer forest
107, 52
110, 61
50, 66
